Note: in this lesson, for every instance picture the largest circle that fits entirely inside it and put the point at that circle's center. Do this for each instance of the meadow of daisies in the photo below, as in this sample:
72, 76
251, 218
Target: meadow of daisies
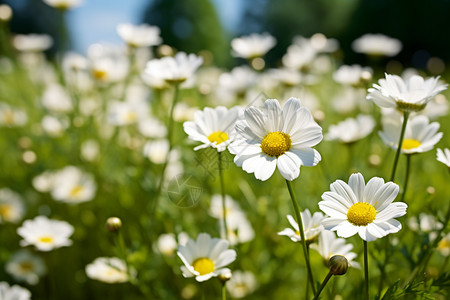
141, 172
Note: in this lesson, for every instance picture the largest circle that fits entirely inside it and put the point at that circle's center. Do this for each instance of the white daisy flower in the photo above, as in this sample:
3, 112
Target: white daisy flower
26, 266
156, 151
167, 242
377, 45
13, 292
424, 223
63, 4
175, 69
443, 156
238, 80
72, 185
328, 245
142, 35
251, 46
351, 130
299, 57
54, 126
12, 208
410, 94
57, 99
32, 42
276, 137
444, 245
121, 113
214, 127
108, 270
242, 284
12, 117
206, 257
108, 63
420, 135
312, 226
151, 127
45, 234
364, 209
352, 75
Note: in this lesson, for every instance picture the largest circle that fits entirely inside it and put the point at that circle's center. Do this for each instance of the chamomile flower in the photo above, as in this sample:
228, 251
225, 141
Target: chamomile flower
351, 130
241, 284
13, 292
443, 156
121, 113
175, 69
142, 35
72, 185
12, 208
366, 209
352, 75
12, 117
32, 42
377, 45
63, 4
420, 135
206, 257
328, 245
213, 127
410, 94
444, 245
311, 226
276, 138
251, 46
45, 234
108, 270
26, 266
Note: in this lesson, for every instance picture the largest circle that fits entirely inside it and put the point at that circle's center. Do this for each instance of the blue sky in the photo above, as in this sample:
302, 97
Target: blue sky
96, 20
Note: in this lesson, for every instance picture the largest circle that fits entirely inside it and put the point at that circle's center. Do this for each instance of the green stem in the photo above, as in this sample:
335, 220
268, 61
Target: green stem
366, 270
429, 251
400, 142
224, 292
405, 185
169, 137
302, 235
324, 283
222, 191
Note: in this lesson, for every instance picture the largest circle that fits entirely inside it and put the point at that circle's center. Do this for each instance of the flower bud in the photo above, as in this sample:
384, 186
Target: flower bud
225, 275
113, 224
338, 265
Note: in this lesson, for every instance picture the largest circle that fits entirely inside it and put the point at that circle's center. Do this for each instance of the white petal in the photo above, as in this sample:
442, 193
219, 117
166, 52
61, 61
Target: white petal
346, 229
308, 157
357, 184
289, 166
272, 110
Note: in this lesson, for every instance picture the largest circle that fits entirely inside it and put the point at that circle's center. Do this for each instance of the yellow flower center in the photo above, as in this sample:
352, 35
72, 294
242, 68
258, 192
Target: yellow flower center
361, 214
444, 244
46, 239
130, 116
276, 143
6, 210
409, 144
76, 191
203, 265
218, 137
99, 74
26, 266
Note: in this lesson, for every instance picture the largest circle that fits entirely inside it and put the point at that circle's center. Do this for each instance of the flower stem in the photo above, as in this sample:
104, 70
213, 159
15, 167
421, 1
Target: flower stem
169, 137
400, 142
324, 283
366, 270
302, 235
222, 191
224, 292
405, 184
